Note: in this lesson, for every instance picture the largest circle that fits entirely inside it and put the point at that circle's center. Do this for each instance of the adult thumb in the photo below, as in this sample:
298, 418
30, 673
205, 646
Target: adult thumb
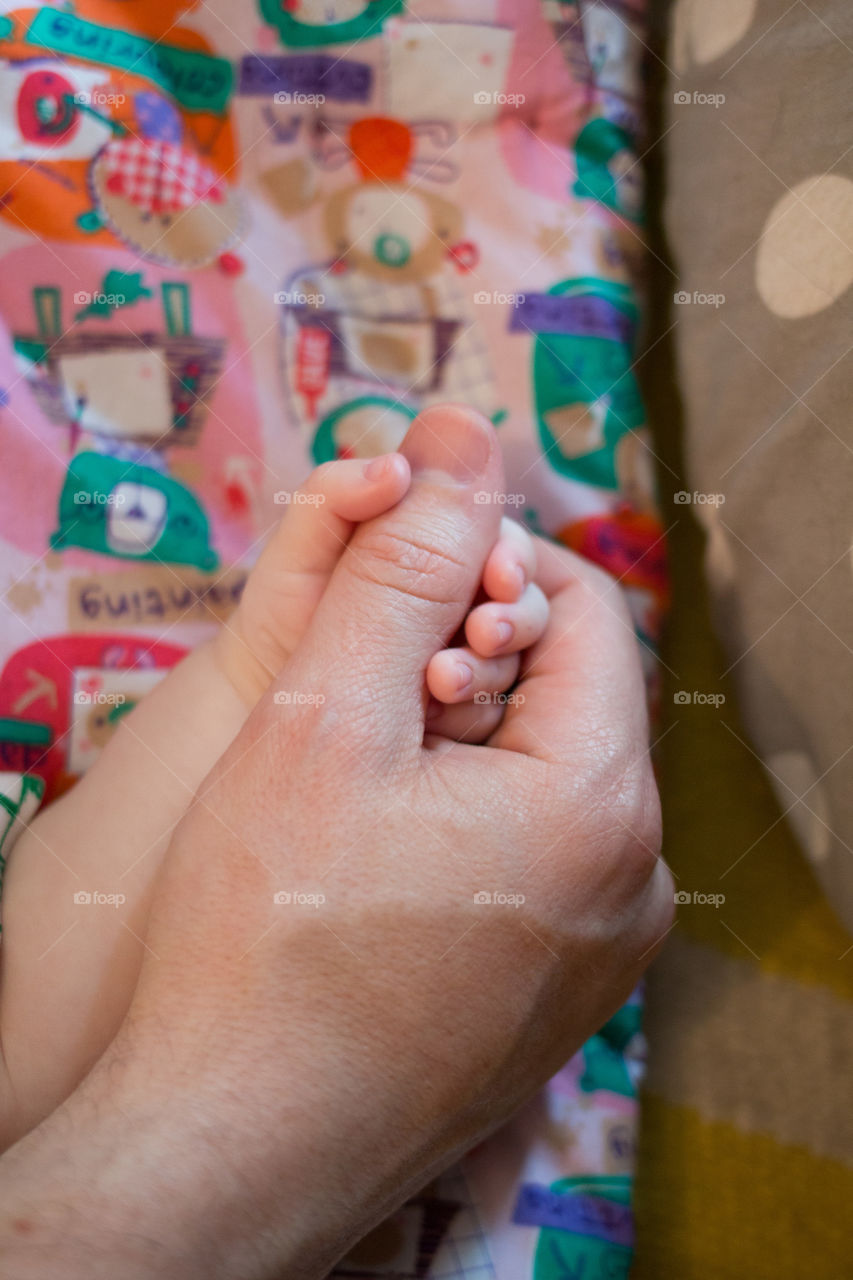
407, 579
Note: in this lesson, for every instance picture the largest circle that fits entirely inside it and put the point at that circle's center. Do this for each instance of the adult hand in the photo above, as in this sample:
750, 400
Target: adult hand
291, 1070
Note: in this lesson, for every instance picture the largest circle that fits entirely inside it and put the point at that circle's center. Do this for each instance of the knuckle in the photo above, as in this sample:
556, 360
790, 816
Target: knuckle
604, 595
641, 808
625, 805
590, 573
663, 910
589, 578
650, 918
636, 803
397, 558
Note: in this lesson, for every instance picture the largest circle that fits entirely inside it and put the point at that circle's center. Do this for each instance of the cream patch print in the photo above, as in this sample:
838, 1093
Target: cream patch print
116, 399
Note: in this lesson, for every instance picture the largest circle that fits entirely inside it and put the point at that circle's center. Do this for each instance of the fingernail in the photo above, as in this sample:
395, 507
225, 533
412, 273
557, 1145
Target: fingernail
503, 633
464, 676
448, 439
376, 468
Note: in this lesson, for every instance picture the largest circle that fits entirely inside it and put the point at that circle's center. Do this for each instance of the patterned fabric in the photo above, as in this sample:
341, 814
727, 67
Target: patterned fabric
765, 293
240, 239
747, 1132
746, 1153
159, 176
20, 796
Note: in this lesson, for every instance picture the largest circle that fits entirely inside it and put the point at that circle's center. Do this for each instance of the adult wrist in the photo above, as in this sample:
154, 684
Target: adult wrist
116, 1183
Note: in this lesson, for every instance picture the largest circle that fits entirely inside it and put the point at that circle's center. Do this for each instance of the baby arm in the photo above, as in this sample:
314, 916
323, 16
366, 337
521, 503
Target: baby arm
68, 970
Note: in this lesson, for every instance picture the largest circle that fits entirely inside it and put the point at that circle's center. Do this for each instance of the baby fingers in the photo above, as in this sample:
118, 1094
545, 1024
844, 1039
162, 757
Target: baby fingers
498, 629
460, 675
511, 563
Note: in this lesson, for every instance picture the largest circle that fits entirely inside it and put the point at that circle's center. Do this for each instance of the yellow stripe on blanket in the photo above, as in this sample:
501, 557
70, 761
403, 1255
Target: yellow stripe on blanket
716, 1204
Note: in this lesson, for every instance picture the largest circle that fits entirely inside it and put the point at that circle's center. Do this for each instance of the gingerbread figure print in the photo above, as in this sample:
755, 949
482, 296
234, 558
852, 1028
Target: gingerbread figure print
382, 327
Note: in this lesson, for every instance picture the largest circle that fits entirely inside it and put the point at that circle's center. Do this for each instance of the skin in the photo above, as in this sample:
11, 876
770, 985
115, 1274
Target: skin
286, 1076
67, 971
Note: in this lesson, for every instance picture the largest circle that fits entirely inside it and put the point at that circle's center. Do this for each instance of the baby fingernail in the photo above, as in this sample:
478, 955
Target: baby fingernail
503, 632
464, 676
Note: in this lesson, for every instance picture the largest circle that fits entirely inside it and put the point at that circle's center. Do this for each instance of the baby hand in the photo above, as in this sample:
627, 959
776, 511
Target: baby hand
114, 828
466, 682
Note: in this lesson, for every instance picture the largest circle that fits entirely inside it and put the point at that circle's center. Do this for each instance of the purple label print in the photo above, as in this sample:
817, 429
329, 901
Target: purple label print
587, 1215
584, 314
337, 79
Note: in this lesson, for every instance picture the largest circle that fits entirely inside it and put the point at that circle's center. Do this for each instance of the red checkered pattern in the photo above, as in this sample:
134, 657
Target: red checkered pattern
159, 176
